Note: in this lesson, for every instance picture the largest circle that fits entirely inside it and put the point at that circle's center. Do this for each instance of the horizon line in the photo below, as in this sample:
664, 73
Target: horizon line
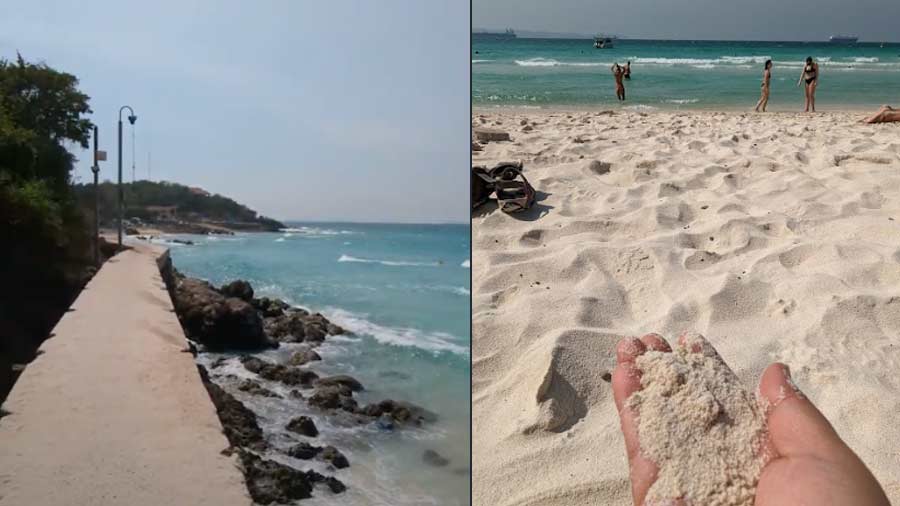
566, 35
352, 222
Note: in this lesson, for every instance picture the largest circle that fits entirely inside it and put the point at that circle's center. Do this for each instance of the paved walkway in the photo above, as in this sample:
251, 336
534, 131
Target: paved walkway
113, 412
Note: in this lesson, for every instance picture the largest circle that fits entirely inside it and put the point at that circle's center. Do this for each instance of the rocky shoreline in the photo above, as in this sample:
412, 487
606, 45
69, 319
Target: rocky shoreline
229, 319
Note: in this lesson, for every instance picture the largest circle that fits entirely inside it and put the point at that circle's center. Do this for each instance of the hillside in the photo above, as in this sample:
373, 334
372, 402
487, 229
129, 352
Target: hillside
167, 203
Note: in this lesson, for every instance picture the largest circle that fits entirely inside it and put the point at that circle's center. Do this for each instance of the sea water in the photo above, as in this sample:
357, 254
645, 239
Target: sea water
680, 74
403, 292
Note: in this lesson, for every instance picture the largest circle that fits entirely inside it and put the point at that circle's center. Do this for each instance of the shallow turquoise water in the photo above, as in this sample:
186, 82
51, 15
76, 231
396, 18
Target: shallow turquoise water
680, 74
403, 290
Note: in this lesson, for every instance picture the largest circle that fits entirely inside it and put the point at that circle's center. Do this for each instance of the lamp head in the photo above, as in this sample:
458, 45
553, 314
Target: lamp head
132, 118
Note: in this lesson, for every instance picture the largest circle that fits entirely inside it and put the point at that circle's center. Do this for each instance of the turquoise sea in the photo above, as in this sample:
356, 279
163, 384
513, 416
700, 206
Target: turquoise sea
680, 74
403, 290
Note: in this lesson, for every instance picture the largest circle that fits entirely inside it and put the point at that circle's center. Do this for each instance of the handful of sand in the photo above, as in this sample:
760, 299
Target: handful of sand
699, 425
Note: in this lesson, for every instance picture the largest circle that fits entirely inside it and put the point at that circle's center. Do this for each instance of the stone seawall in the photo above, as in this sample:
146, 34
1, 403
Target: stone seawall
112, 411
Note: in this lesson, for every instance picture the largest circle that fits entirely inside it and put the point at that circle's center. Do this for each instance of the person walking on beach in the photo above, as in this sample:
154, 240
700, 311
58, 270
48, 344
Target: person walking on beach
619, 73
810, 74
764, 97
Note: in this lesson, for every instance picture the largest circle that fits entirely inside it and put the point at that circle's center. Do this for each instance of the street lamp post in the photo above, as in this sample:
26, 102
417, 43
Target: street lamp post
131, 119
96, 170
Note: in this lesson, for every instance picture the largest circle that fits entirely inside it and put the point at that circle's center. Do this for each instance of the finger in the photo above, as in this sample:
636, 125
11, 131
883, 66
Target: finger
626, 377
626, 380
795, 426
655, 342
696, 343
629, 349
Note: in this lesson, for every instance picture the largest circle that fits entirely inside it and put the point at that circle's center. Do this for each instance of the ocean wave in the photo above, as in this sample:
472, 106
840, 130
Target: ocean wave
459, 290
391, 263
481, 61
683, 100
547, 62
456, 290
675, 61
466, 264
537, 62
166, 242
314, 231
495, 98
435, 342
639, 107
866, 59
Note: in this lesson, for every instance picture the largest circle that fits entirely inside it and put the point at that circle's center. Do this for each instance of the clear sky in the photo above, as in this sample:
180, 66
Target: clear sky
809, 20
355, 111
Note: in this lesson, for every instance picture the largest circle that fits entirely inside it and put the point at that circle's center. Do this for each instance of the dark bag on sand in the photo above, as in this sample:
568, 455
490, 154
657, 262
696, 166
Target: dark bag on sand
482, 186
514, 193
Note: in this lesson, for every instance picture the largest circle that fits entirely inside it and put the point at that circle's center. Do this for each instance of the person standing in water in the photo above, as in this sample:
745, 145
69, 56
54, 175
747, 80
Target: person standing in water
810, 75
618, 74
764, 96
628, 70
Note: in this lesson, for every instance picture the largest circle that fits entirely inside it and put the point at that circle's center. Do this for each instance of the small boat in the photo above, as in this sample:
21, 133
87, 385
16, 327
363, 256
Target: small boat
604, 42
843, 39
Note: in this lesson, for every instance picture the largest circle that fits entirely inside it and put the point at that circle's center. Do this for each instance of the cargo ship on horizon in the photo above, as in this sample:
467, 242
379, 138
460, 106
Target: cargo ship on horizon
508, 34
843, 39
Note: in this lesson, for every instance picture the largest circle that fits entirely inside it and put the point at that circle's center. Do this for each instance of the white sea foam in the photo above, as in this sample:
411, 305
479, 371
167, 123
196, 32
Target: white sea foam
549, 62
436, 342
392, 263
674, 61
314, 231
459, 290
280, 239
703, 62
466, 264
481, 61
537, 62
683, 100
745, 59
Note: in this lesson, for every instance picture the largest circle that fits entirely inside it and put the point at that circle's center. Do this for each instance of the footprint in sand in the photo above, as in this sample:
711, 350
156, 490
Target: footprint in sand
532, 237
797, 255
701, 260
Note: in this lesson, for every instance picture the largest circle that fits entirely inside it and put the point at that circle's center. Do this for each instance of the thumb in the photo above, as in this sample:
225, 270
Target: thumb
796, 426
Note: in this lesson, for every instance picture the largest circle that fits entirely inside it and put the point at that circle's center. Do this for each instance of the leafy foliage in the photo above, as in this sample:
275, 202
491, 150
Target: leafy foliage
41, 110
45, 247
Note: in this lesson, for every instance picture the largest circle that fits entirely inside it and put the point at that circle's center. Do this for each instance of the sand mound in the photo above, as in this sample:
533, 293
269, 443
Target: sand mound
774, 234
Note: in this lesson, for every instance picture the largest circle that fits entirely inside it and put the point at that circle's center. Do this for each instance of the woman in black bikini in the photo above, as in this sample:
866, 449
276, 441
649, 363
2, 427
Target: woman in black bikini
764, 93
810, 74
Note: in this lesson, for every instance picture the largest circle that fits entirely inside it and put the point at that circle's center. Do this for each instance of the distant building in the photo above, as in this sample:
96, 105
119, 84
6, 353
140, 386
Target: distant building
162, 213
196, 190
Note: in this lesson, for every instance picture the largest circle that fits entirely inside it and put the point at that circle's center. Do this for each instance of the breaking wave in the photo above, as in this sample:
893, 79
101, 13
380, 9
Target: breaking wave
391, 263
435, 342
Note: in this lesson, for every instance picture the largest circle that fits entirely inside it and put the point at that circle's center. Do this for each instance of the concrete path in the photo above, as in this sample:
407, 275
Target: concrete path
113, 412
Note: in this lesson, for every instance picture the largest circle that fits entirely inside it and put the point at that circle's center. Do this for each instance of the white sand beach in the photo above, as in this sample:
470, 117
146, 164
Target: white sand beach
777, 236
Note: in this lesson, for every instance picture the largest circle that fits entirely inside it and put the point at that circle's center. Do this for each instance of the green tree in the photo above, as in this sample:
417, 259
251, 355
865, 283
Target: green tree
45, 247
41, 109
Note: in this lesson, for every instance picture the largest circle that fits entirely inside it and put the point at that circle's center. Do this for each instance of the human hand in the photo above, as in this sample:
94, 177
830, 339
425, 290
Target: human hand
809, 463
